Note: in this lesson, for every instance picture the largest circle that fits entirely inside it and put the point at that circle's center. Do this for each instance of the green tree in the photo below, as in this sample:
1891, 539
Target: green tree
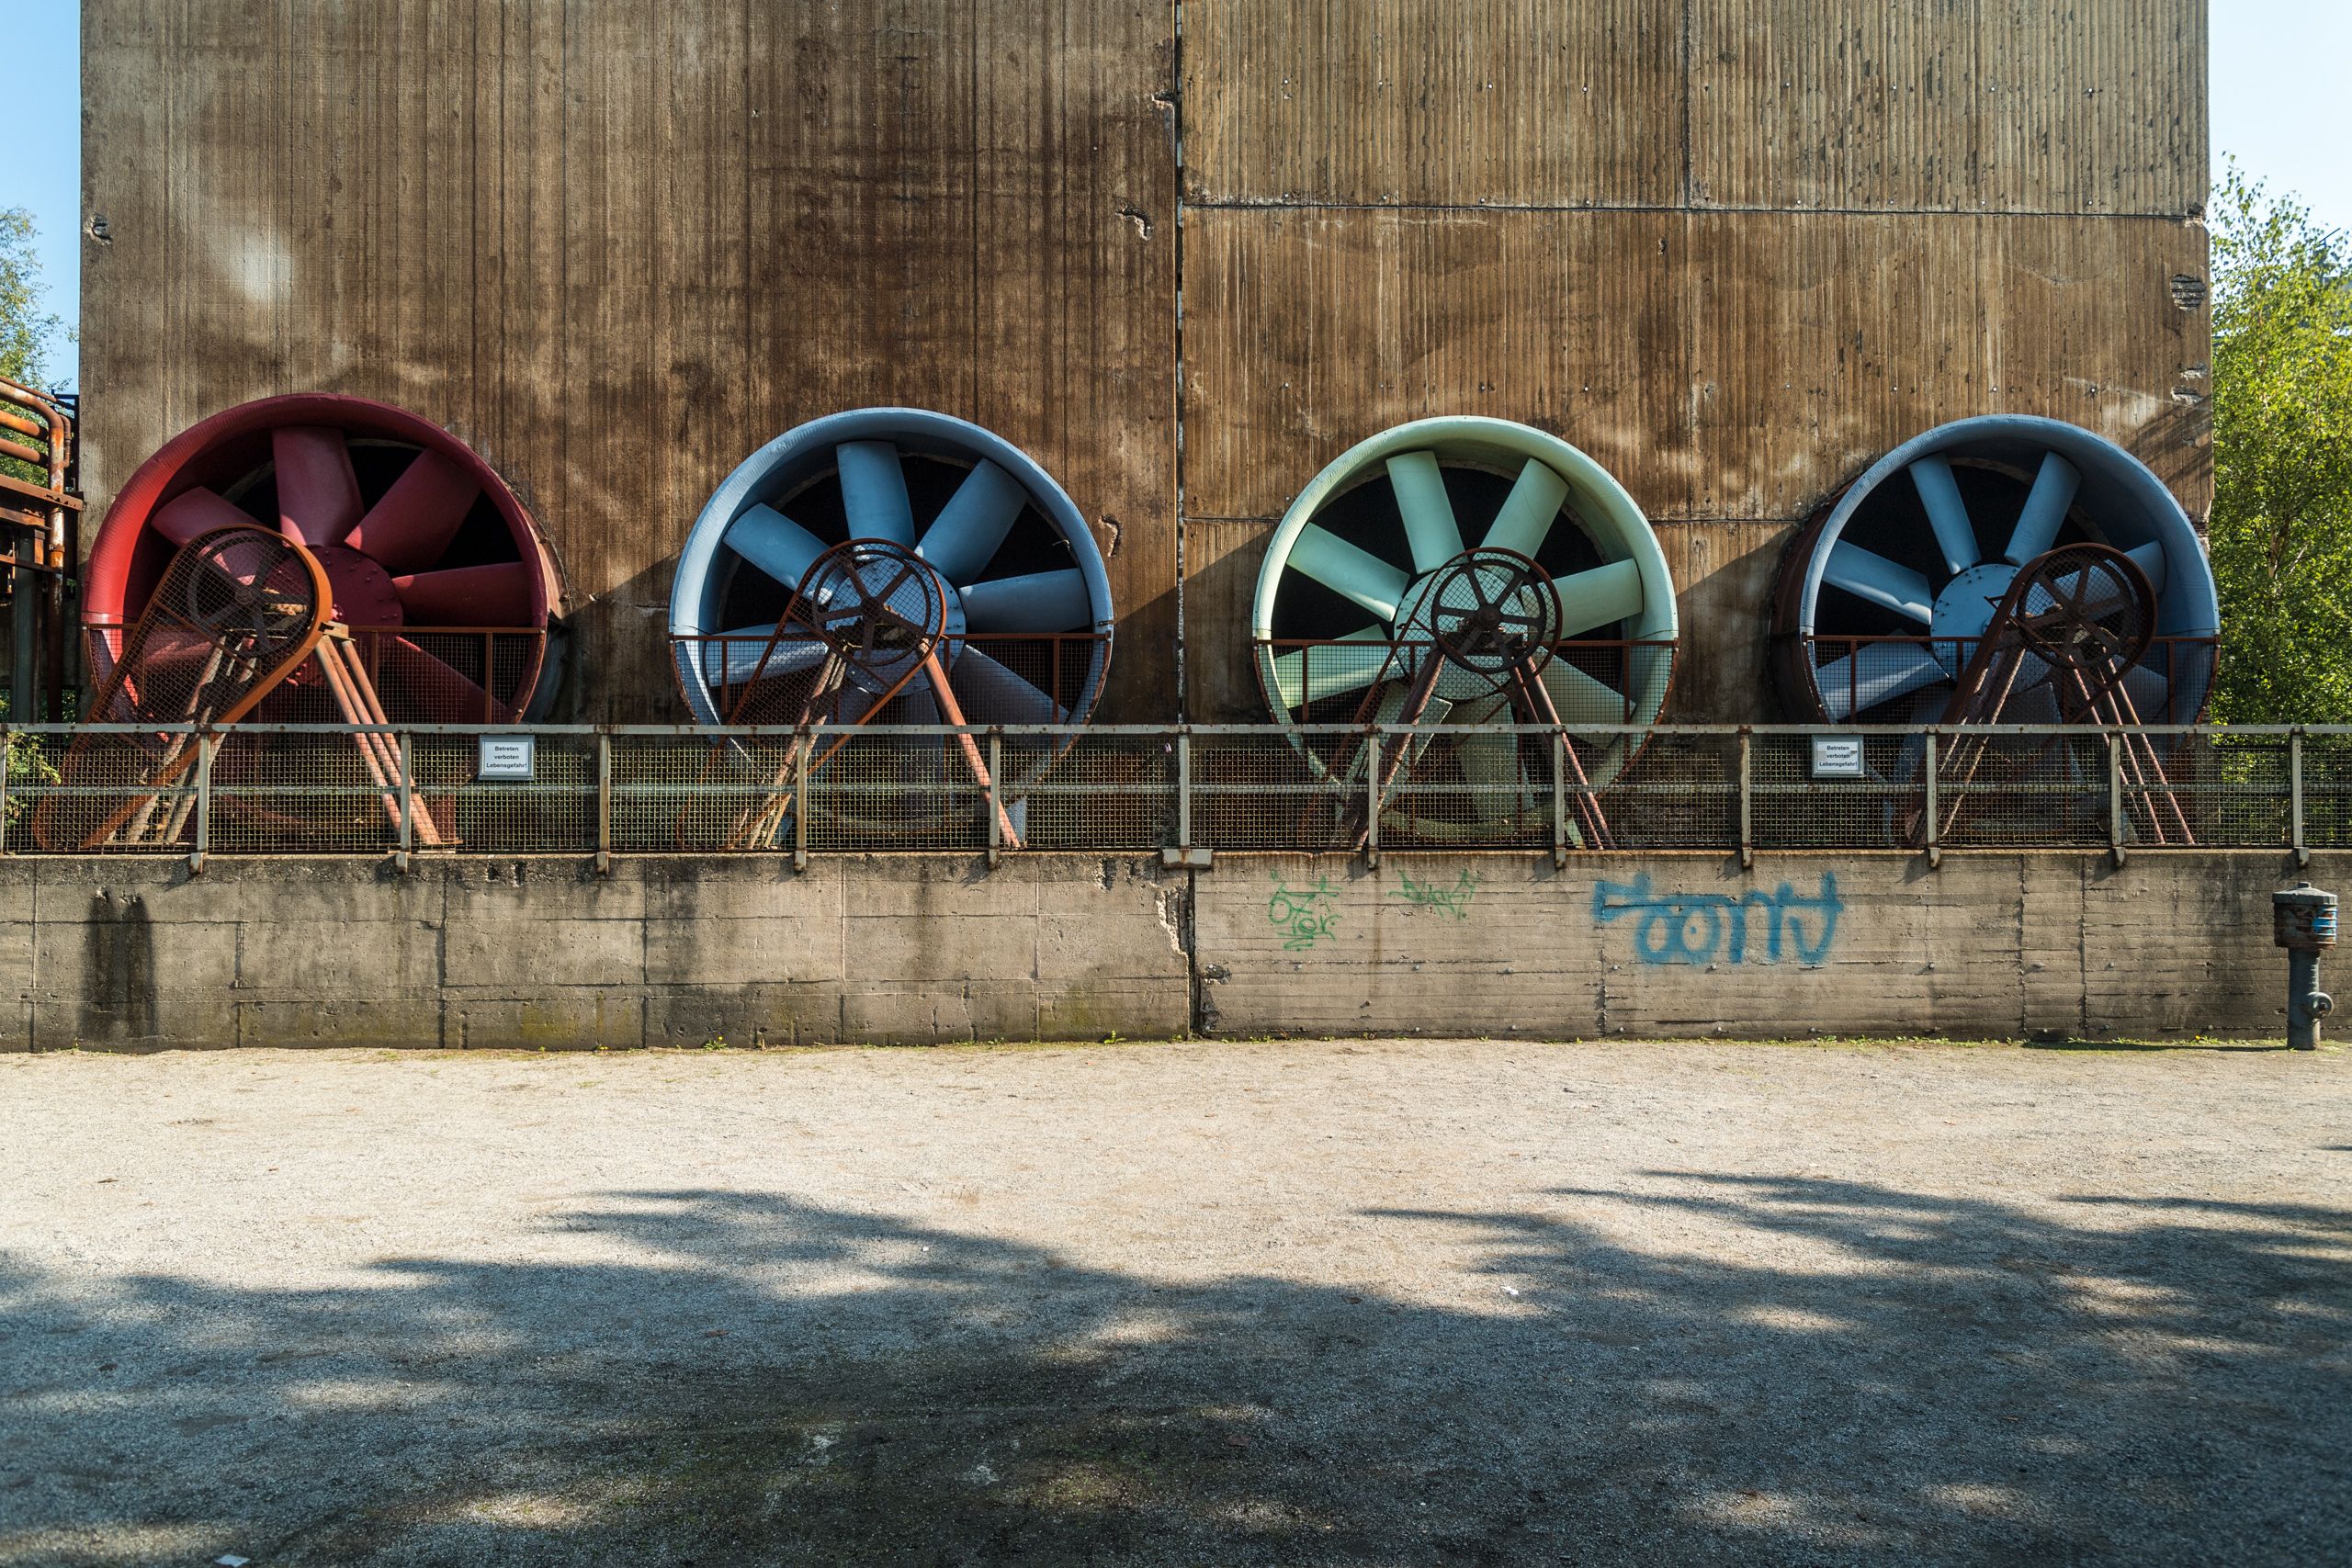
27, 332
2281, 533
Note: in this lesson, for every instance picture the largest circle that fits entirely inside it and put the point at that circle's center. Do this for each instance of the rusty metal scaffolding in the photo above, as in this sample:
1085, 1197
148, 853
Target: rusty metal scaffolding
38, 544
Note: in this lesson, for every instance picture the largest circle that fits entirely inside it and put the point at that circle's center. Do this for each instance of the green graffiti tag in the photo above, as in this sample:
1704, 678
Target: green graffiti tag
1454, 900
1305, 918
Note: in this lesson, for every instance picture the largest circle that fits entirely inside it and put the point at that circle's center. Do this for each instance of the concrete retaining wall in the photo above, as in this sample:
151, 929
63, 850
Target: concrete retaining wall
135, 953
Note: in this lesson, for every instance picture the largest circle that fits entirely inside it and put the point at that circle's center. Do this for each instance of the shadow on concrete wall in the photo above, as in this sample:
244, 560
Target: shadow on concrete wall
749, 1380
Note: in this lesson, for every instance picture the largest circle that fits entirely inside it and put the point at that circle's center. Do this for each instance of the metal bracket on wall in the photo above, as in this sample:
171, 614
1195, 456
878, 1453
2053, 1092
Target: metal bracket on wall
1746, 802
206, 747
2115, 819
1182, 855
1933, 822
2295, 793
603, 803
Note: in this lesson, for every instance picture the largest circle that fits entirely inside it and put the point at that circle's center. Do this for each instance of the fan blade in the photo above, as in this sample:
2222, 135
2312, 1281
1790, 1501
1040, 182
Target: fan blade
195, 511
774, 543
1947, 513
417, 688
1354, 573
2150, 559
1335, 671
2046, 509
1601, 597
318, 495
2151, 696
1044, 602
1579, 698
1429, 528
411, 528
965, 535
1874, 673
916, 705
1882, 582
729, 659
990, 694
874, 492
1489, 763
1527, 513
470, 596
2035, 704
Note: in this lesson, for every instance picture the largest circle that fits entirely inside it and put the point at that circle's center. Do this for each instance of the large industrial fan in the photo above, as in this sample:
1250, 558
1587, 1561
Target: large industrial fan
890, 567
1887, 596
1466, 571
431, 562
239, 614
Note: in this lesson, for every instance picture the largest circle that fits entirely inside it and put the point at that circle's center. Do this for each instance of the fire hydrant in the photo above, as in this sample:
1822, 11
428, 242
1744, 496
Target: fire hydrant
2303, 920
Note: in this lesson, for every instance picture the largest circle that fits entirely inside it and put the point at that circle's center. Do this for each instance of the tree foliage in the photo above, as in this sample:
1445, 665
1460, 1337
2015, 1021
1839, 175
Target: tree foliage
27, 330
2281, 533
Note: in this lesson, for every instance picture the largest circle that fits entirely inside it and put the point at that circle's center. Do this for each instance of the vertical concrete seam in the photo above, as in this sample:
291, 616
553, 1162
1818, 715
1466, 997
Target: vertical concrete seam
1196, 1024
2083, 947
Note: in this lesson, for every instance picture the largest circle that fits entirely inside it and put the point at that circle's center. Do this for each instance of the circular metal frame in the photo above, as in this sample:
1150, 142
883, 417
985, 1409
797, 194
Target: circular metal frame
1002, 507
413, 529
1924, 557
1622, 589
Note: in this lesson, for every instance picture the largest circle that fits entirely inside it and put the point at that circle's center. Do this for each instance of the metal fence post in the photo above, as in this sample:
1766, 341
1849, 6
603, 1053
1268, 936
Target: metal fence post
1559, 800
996, 802
2115, 795
205, 747
1184, 788
405, 754
603, 802
1372, 798
1933, 832
2298, 840
801, 801
1746, 803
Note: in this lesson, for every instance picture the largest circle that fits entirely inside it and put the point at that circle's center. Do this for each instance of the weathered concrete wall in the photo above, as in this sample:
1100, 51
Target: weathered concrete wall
136, 954
1987, 946
126, 954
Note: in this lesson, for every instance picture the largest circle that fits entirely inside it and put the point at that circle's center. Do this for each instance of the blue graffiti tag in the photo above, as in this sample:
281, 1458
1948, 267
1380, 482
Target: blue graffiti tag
1694, 928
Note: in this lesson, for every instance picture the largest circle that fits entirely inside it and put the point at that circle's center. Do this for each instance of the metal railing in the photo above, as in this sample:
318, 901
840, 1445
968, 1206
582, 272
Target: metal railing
1185, 792
1855, 674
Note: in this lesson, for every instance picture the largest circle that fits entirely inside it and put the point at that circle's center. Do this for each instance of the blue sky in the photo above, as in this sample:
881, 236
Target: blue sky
2280, 105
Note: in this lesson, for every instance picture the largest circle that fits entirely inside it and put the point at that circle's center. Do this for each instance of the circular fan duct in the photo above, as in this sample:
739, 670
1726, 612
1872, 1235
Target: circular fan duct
1351, 613
429, 558
1025, 621
1886, 596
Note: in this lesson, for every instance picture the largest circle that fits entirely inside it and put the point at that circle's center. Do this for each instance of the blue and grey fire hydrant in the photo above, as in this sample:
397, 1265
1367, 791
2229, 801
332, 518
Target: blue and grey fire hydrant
2303, 920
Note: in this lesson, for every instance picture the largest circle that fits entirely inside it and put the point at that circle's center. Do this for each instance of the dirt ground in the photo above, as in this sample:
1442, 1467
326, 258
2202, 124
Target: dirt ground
1212, 1303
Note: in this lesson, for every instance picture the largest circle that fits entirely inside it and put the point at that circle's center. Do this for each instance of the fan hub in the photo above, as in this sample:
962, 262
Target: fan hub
1965, 608
882, 609
363, 591
1482, 614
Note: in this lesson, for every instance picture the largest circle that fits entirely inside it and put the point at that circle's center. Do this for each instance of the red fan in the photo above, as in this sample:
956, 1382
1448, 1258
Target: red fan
429, 558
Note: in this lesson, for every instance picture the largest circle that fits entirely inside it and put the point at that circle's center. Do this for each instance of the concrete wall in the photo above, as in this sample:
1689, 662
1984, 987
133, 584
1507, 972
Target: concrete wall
134, 953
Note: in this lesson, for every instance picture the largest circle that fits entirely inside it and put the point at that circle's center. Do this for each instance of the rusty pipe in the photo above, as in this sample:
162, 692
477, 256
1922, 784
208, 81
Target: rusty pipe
38, 429
23, 453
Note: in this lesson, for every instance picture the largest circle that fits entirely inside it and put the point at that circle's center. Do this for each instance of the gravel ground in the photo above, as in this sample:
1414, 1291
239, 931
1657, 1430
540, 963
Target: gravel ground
1227, 1302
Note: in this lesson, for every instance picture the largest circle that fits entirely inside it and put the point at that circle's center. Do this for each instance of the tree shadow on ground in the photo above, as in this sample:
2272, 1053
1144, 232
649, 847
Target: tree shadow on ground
738, 1378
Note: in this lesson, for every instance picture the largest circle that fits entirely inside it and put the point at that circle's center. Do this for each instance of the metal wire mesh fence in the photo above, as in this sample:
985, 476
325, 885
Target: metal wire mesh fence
577, 790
